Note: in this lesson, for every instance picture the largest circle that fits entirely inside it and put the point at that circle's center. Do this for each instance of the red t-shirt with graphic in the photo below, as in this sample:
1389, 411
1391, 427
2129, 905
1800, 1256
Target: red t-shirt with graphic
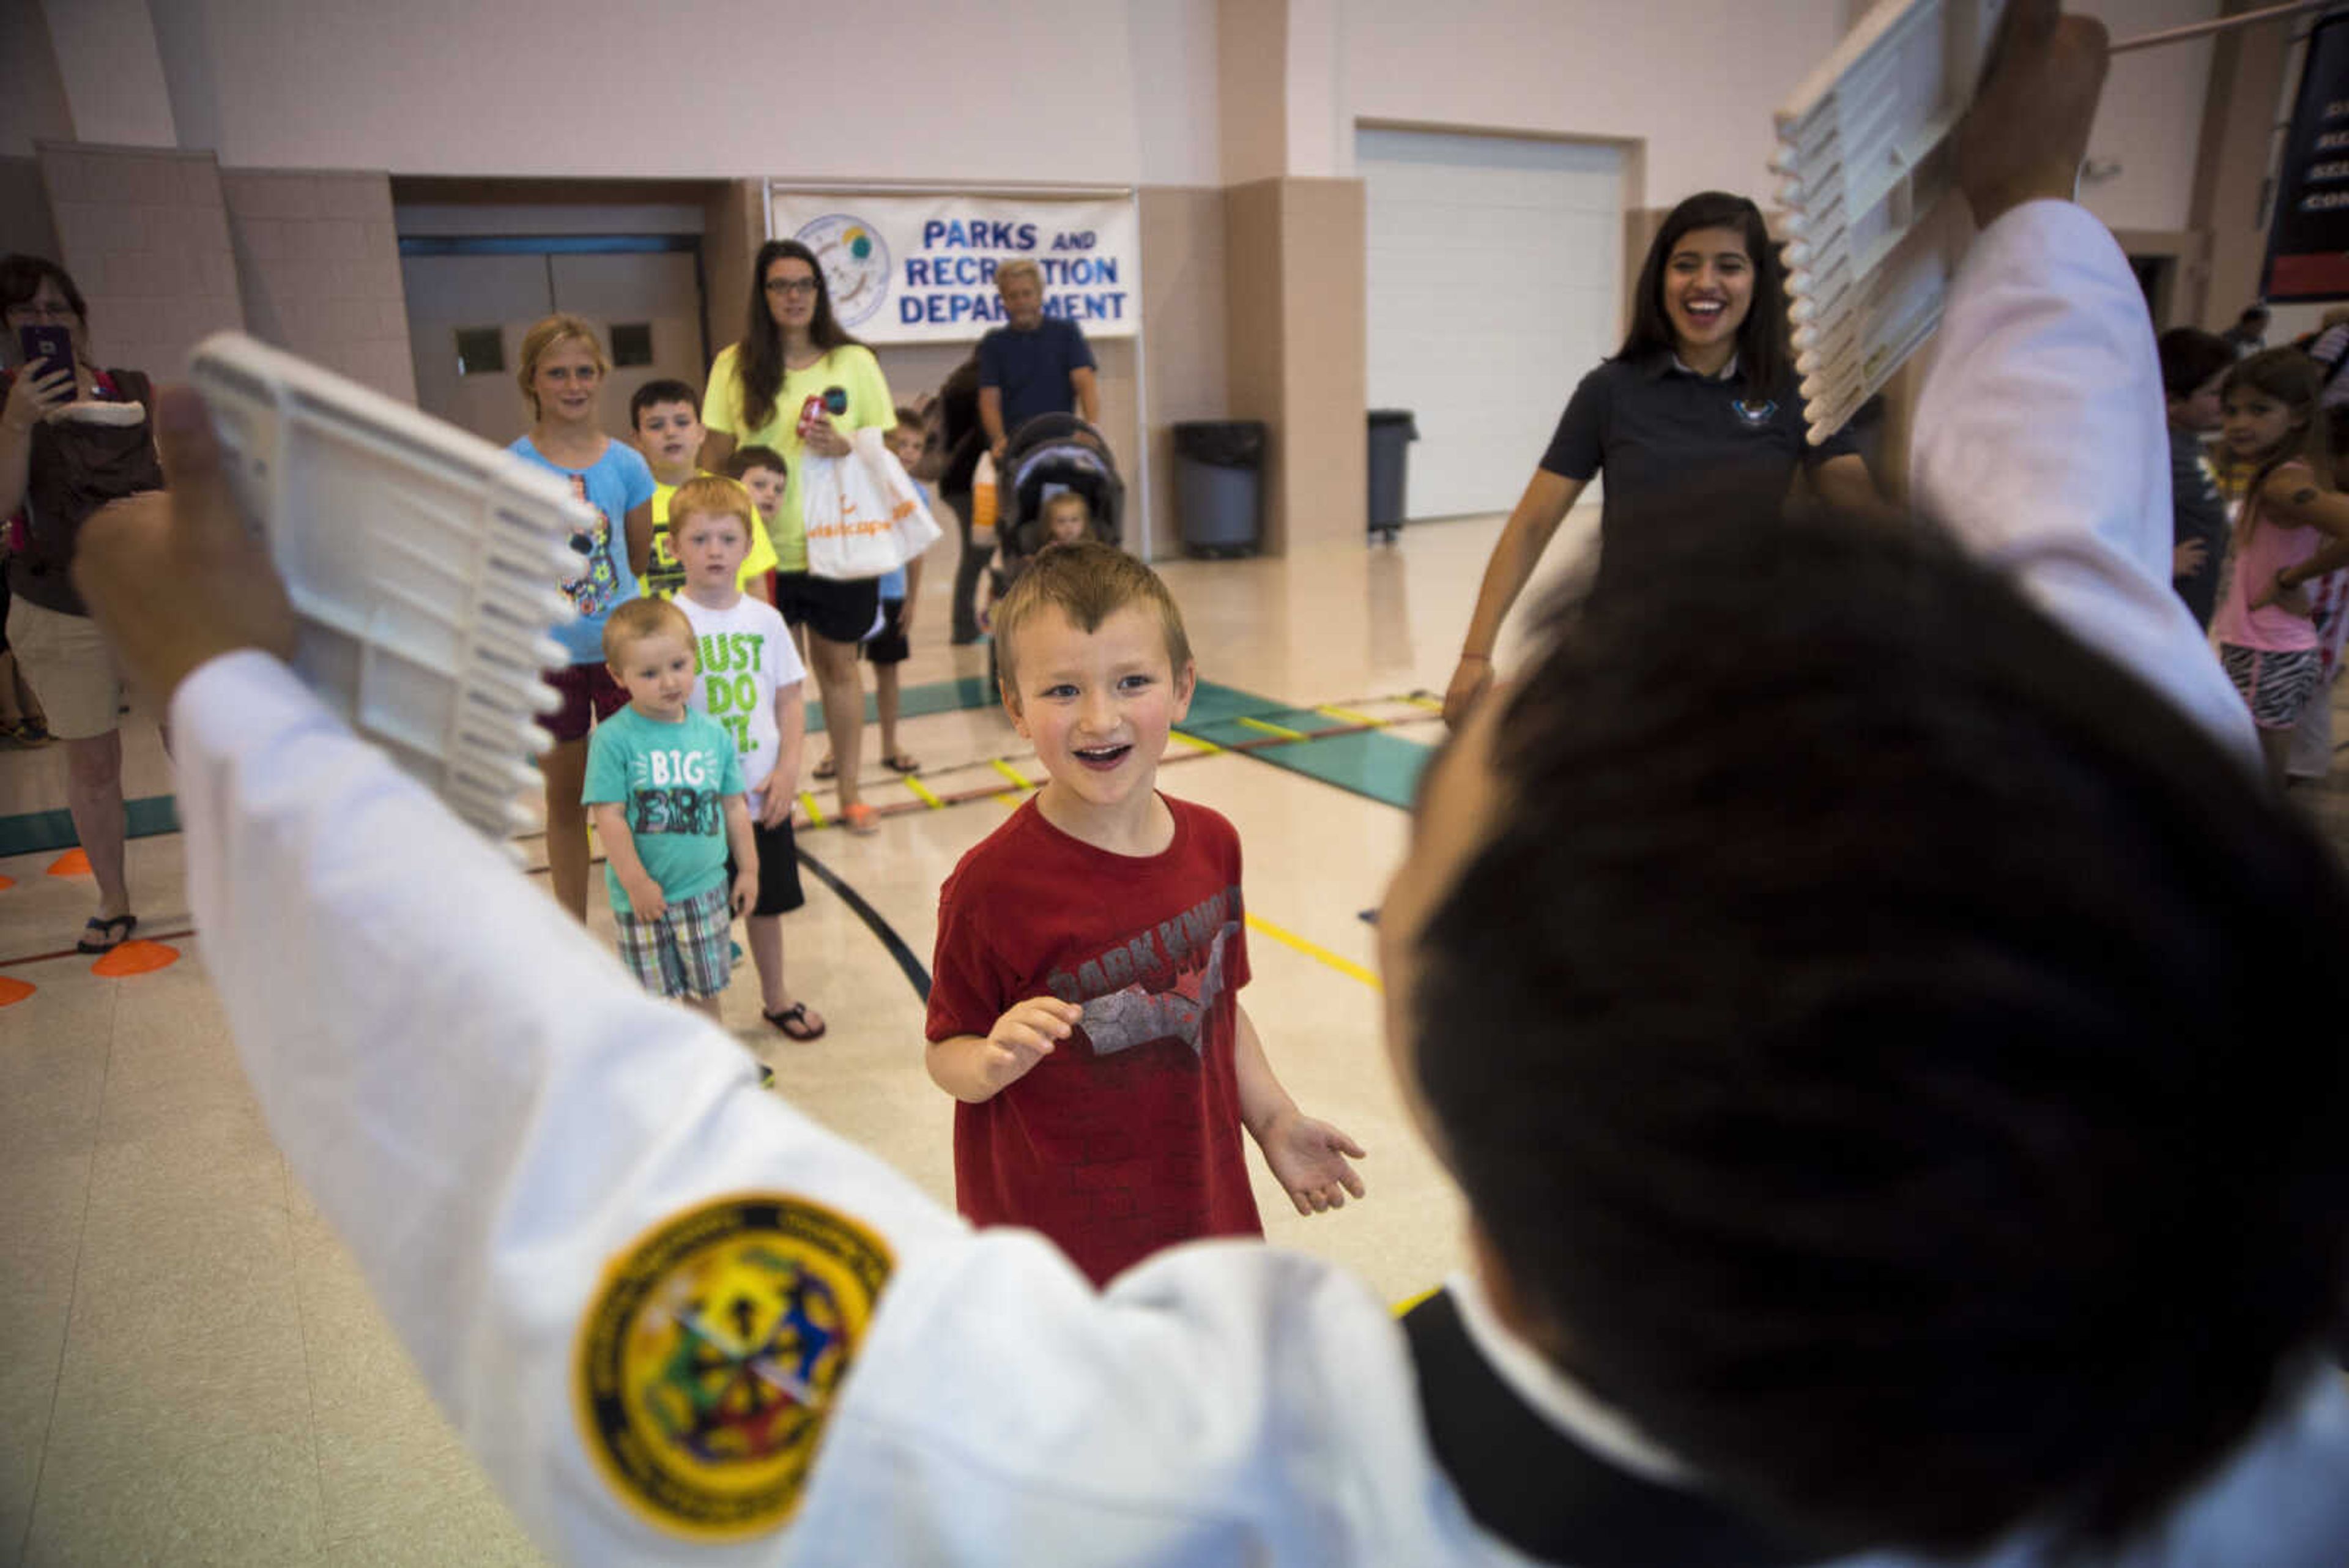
1127, 1138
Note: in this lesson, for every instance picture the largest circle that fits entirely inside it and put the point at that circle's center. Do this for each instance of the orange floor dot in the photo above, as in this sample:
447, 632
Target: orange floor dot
6, 882
136, 958
13, 990
72, 863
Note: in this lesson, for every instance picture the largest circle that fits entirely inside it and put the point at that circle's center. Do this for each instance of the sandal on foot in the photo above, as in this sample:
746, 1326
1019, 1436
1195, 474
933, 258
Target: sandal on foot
901, 762
100, 936
823, 769
861, 820
793, 1021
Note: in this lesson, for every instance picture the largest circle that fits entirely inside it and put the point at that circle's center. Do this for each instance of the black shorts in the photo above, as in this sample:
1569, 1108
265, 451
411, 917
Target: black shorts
836, 611
779, 869
887, 645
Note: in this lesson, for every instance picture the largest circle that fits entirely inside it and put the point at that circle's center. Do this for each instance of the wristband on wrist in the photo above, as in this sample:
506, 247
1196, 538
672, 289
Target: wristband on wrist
1481, 658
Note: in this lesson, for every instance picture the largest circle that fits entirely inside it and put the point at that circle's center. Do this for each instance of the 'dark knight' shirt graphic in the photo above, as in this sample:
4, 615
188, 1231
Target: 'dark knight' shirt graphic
1126, 1137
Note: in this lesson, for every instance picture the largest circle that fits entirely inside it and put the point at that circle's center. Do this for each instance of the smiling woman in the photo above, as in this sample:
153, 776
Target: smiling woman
1703, 387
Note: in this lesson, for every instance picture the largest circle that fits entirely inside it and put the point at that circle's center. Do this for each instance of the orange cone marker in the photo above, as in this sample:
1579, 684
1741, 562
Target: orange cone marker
13, 991
72, 863
136, 957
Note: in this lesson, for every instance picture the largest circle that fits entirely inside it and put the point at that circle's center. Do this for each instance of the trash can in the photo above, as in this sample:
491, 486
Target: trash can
1219, 485
1392, 432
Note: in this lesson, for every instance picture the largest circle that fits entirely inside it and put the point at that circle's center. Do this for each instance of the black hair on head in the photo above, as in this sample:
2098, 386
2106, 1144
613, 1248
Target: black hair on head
21, 278
2190, 357
1895, 1053
667, 389
1762, 356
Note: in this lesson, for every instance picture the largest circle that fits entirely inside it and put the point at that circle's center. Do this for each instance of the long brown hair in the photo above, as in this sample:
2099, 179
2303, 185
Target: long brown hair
758, 368
2292, 378
1762, 356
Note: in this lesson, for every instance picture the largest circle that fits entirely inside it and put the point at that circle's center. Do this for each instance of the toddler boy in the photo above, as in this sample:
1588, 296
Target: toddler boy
750, 683
665, 792
666, 415
2193, 363
1084, 1007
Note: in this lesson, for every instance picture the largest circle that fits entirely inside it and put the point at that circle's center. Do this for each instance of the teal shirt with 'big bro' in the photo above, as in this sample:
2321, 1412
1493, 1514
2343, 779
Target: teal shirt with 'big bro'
671, 778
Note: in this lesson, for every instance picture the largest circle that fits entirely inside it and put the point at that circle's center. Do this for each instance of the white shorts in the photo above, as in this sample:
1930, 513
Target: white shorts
70, 667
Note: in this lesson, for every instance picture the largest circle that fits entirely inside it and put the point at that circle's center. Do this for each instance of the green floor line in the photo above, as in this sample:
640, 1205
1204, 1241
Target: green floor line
1369, 762
32, 832
959, 695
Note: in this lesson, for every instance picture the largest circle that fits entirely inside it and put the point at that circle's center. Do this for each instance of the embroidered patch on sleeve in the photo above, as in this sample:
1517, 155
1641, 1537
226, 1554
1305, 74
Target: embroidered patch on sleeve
710, 1359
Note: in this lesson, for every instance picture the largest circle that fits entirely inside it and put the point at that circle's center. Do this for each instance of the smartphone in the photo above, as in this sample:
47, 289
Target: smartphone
45, 350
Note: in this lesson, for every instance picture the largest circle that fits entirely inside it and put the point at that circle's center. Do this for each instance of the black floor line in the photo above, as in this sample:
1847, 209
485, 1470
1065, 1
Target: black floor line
873, 922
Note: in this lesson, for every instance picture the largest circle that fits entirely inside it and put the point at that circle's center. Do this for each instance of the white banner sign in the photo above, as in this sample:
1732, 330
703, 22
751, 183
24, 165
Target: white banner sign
921, 269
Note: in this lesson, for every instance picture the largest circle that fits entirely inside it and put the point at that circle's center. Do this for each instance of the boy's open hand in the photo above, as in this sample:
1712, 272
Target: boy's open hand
175, 580
2027, 132
1307, 1157
1025, 1035
645, 900
746, 890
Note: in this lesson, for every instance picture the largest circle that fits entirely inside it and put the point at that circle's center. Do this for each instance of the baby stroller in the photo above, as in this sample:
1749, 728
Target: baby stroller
1049, 454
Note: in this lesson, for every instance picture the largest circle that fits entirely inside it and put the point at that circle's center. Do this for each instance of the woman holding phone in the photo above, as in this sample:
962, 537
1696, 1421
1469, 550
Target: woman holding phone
72, 437
798, 383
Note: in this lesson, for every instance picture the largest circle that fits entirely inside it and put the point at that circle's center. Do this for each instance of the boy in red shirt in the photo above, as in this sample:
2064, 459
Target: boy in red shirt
1090, 950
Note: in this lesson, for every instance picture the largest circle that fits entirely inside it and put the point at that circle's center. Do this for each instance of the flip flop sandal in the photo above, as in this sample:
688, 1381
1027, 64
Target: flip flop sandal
903, 762
793, 1022
823, 769
106, 937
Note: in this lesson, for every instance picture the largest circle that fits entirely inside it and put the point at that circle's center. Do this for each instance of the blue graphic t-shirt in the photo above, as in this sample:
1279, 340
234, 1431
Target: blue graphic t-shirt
671, 781
615, 484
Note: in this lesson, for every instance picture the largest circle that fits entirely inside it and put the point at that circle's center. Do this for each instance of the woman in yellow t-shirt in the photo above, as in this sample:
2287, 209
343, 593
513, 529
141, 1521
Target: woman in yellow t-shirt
798, 382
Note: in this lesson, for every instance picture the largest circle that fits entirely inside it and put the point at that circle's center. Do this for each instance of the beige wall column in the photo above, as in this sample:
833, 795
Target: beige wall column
318, 266
2229, 176
145, 235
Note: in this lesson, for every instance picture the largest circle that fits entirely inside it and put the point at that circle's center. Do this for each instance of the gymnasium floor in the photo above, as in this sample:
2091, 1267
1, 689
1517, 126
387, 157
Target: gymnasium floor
191, 1371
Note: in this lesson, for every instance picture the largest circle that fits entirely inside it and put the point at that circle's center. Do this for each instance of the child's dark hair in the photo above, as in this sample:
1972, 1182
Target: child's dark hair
1893, 1053
1089, 582
2292, 378
743, 459
1762, 356
2189, 356
666, 390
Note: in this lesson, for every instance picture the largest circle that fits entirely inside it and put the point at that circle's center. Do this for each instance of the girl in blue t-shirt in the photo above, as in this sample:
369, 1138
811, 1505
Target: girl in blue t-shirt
563, 369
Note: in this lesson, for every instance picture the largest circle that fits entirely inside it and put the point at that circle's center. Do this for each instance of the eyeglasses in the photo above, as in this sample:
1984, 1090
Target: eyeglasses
791, 286
35, 310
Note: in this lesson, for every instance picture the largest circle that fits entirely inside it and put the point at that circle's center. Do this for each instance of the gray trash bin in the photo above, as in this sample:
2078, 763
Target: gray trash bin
1219, 485
1392, 433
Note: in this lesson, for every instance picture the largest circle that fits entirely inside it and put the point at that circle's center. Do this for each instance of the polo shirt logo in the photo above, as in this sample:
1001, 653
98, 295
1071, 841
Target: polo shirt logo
1754, 411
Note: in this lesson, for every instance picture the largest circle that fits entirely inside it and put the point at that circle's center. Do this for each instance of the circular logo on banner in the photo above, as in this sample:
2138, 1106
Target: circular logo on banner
709, 1362
855, 262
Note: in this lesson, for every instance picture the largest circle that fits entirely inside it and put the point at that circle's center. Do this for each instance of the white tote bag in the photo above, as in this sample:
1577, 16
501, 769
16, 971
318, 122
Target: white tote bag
863, 516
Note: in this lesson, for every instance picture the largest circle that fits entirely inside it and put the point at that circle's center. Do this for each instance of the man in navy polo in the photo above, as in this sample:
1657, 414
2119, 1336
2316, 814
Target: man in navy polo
1032, 364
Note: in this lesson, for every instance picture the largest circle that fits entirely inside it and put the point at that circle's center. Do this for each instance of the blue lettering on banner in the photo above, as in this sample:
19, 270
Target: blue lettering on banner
978, 235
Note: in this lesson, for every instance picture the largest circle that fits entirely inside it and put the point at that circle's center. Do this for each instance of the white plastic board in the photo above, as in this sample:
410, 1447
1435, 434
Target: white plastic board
1864, 145
422, 563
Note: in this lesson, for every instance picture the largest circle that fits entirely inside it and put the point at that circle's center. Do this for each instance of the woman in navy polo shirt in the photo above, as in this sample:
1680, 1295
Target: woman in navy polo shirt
1703, 390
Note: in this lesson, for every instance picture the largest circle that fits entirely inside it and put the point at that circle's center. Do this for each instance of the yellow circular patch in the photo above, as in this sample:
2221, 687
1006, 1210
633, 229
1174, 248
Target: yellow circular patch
711, 1355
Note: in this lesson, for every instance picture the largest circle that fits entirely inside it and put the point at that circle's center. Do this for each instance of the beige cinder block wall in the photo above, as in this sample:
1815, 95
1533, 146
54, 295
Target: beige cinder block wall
317, 264
145, 235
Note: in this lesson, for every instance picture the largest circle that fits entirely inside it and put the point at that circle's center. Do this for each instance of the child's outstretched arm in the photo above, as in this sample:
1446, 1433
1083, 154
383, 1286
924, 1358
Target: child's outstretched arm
746, 854
791, 738
1306, 1156
975, 1068
611, 821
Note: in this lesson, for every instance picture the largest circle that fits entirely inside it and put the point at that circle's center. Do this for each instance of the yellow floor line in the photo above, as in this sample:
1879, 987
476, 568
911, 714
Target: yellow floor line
1345, 715
1344, 966
1428, 703
1008, 801
1014, 774
814, 812
922, 793
1286, 734
1209, 747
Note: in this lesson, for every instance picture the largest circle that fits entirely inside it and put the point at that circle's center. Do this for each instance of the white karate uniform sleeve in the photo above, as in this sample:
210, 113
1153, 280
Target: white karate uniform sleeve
2040, 442
491, 1112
